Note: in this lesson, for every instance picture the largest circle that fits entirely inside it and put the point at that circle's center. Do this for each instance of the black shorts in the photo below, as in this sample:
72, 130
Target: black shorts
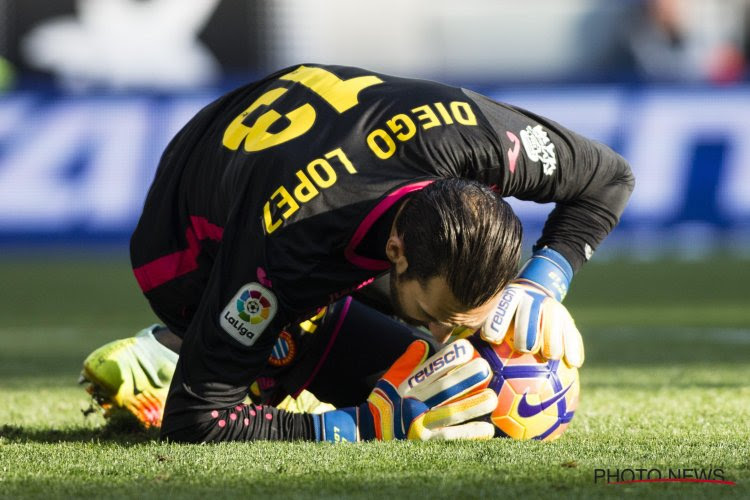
342, 360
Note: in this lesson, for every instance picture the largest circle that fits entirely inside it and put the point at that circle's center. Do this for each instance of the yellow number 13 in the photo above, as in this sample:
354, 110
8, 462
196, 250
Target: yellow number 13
340, 94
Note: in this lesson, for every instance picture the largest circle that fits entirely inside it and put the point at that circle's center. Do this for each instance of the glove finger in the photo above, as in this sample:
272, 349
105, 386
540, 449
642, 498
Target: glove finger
413, 357
497, 324
526, 335
446, 359
461, 410
552, 326
574, 353
471, 430
458, 382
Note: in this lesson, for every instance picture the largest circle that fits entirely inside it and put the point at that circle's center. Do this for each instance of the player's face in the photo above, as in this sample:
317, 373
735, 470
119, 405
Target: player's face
435, 306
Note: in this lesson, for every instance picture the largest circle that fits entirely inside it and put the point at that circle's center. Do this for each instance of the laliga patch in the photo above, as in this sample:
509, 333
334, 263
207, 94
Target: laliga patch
248, 313
538, 147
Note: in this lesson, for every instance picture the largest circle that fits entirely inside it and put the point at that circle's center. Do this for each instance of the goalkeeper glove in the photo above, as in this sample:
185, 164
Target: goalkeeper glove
421, 399
531, 304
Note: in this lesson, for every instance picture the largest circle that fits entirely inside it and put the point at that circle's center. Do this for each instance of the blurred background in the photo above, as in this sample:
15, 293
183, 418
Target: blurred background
92, 91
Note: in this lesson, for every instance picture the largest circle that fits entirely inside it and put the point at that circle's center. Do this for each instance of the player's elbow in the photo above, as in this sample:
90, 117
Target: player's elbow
621, 181
191, 434
625, 176
193, 427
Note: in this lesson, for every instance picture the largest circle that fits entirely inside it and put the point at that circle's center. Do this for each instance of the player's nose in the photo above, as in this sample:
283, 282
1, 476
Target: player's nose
439, 331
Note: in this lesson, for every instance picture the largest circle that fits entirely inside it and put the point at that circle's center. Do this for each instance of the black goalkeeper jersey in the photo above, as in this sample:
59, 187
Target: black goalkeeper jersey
261, 203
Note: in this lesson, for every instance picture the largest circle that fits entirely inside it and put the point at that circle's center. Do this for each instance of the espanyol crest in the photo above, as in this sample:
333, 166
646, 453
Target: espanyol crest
283, 351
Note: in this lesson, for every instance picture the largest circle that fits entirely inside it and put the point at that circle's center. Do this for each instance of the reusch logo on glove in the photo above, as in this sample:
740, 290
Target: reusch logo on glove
453, 357
498, 323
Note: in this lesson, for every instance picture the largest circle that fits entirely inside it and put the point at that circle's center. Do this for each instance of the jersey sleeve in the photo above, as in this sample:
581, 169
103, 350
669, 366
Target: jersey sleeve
243, 422
225, 347
539, 160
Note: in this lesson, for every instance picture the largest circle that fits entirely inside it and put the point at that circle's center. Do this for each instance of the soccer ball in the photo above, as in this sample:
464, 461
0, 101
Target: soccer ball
536, 397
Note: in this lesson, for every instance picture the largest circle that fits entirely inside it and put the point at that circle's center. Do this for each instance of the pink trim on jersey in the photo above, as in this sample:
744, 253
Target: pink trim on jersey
205, 230
166, 268
323, 358
369, 220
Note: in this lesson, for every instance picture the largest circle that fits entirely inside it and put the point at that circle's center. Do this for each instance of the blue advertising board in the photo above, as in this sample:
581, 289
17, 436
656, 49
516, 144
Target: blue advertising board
77, 168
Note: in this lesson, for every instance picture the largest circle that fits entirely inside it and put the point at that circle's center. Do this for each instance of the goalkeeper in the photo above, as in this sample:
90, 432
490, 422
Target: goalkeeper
331, 358
289, 193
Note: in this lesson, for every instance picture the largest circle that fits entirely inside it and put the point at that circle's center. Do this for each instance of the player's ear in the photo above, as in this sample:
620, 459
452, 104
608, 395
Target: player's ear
394, 250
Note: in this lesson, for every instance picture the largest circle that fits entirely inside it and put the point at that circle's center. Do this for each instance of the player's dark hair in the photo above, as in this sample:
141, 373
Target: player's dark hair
465, 232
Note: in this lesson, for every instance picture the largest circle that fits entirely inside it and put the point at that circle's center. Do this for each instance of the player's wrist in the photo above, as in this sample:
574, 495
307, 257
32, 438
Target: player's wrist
354, 423
548, 270
366, 423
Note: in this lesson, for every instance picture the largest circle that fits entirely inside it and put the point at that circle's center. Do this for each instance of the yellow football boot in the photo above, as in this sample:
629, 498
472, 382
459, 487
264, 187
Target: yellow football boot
131, 375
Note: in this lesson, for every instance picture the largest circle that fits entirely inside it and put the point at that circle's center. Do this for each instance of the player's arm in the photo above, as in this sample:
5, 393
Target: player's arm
535, 159
210, 383
418, 398
539, 160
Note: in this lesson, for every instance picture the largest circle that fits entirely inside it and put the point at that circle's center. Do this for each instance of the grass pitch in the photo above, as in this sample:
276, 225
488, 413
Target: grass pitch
666, 385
